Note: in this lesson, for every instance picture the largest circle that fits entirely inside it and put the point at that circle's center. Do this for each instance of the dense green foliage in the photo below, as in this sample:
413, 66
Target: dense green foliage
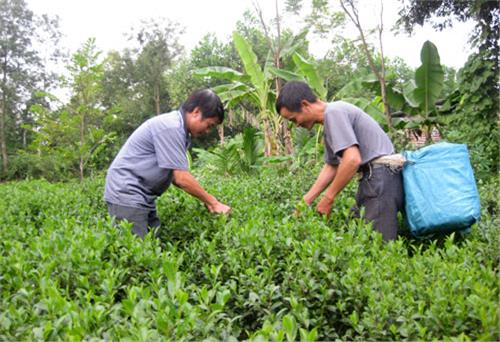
260, 274
474, 113
474, 105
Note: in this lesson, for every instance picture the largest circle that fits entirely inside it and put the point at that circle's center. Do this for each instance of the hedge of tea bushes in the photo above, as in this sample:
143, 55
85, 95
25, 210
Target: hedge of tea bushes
66, 272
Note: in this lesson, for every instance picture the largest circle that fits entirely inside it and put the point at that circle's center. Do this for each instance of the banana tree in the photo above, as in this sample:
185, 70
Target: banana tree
375, 106
254, 86
422, 93
306, 71
416, 101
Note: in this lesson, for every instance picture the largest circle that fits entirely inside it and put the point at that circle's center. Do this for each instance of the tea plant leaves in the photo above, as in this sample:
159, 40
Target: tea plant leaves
67, 273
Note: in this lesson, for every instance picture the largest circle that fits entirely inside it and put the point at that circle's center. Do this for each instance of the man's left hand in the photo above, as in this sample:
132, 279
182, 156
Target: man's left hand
324, 206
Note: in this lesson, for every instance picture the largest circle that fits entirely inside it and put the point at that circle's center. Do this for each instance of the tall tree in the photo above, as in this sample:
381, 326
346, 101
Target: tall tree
278, 49
72, 136
326, 19
22, 69
124, 94
350, 8
249, 27
158, 48
210, 52
86, 73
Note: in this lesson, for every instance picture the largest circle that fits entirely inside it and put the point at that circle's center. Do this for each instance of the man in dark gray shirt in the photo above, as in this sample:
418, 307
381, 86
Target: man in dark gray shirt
154, 156
353, 142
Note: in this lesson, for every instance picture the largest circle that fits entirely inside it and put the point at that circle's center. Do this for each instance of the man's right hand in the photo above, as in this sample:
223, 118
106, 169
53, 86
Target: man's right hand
185, 180
218, 208
301, 207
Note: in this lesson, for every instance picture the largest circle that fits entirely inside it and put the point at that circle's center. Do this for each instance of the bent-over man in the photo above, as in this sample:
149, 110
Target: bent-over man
353, 142
154, 156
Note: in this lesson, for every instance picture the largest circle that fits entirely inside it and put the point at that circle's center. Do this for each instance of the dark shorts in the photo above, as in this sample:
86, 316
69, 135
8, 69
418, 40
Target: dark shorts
143, 219
381, 194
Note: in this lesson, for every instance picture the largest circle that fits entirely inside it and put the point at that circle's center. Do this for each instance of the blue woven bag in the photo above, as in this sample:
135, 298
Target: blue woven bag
440, 190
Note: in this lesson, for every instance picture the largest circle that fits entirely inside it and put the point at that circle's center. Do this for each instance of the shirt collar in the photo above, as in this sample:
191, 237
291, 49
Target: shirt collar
188, 136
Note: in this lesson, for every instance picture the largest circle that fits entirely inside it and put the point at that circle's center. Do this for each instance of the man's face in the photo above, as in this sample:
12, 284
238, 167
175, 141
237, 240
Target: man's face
301, 119
198, 126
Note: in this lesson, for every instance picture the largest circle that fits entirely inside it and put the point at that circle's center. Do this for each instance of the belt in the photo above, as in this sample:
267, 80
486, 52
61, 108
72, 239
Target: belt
392, 160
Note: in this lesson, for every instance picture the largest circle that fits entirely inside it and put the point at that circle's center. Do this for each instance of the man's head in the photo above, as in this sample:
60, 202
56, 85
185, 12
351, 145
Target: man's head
204, 110
296, 102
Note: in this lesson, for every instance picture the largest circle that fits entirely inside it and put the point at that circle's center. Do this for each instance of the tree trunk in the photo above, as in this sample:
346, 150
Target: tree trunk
230, 118
220, 130
157, 98
276, 135
81, 168
288, 139
25, 138
267, 139
3, 115
285, 131
83, 129
3, 142
387, 108
82, 142
380, 75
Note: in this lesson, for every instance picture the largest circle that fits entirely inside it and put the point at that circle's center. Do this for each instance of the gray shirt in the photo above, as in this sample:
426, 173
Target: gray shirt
143, 169
347, 125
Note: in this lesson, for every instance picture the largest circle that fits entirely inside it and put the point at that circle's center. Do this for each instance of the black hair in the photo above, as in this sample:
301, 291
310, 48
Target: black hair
208, 102
292, 94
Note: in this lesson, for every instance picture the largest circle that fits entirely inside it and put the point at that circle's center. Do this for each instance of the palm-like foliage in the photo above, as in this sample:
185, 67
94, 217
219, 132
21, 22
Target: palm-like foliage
243, 153
417, 100
255, 85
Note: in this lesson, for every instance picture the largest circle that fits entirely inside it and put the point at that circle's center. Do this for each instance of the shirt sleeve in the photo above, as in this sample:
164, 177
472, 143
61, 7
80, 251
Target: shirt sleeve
329, 157
341, 132
170, 146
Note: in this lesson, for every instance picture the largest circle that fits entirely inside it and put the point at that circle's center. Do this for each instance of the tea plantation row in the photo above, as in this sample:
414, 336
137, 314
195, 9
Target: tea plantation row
67, 273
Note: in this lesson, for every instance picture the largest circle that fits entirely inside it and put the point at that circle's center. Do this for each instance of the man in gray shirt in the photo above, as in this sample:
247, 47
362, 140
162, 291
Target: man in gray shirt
353, 142
154, 156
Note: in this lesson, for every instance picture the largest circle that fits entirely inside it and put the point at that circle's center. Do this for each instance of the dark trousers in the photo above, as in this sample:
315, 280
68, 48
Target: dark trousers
380, 192
143, 219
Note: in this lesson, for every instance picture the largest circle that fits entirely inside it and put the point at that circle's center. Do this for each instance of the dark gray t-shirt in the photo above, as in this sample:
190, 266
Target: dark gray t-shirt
347, 125
143, 169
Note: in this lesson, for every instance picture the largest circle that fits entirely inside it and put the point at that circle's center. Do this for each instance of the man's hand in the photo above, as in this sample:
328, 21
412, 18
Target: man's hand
185, 180
218, 208
301, 207
324, 206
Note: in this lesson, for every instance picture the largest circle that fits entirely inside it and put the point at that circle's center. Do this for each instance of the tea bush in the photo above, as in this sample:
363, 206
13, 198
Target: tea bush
261, 274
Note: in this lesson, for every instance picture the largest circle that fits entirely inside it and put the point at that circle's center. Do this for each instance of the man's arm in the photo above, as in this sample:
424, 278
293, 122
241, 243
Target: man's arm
186, 181
324, 179
351, 160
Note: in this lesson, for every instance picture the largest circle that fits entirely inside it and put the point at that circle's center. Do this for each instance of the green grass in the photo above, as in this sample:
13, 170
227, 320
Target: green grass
67, 273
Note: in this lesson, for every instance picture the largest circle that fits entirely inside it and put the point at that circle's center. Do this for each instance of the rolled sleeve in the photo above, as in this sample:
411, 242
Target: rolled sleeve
329, 157
170, 145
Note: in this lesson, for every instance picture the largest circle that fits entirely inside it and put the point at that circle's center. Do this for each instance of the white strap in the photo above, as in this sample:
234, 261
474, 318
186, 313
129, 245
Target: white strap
396, 160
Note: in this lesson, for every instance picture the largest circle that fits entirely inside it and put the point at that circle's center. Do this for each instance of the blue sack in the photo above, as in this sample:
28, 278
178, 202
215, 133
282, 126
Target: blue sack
440, 190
